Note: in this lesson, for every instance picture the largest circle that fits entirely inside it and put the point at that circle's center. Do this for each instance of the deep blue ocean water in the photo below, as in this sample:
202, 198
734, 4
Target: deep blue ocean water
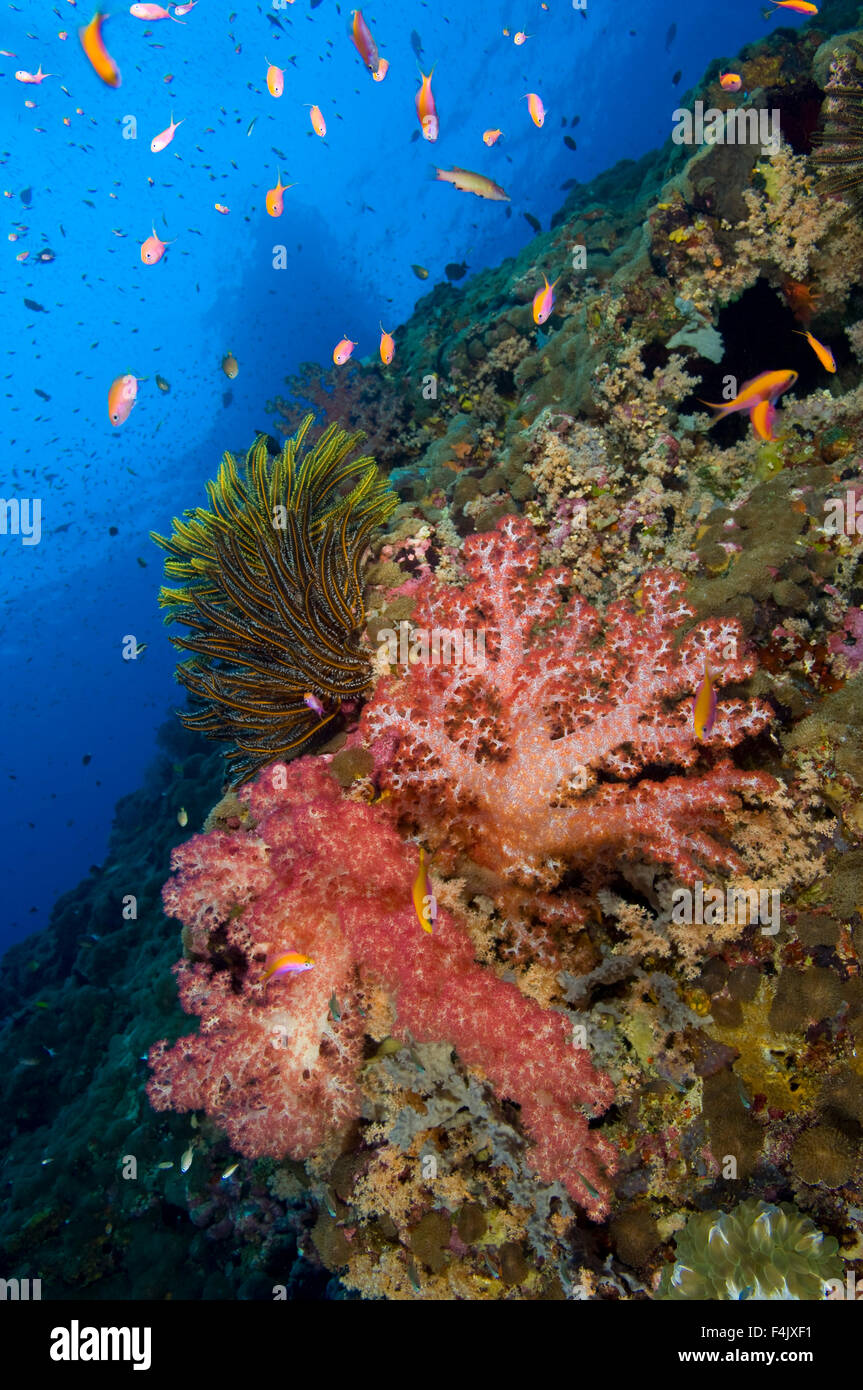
78, 720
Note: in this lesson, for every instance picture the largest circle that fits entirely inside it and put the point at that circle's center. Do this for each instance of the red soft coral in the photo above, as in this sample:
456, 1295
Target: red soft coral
330, 878
547, 758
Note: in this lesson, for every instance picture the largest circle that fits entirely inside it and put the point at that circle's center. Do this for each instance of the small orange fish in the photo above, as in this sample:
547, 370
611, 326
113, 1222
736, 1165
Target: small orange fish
289, 963
520, 38
491, 137
275, 80
383, 69
220, 207
319, 125
275, 197
704, 706
798, 6
425, 906
165, 137
536, 108
543, 301
824, 355
426, 109
758, 397
342, 351
100, 59
37, 77
730, 81
122, 396
230, 366
153, 249
762, 417
388, 346
365, 44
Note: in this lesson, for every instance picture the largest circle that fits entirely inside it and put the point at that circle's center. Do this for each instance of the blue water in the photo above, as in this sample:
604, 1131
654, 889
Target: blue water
78, 721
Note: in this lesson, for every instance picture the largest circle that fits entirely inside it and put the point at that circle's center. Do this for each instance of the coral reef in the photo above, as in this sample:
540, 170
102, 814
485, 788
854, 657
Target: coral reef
758, 1251
534, 760
275, 1061
271, 592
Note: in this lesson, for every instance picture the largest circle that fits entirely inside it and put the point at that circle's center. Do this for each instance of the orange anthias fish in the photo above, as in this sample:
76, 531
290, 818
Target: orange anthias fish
426, 109
365, 44
730, 81
122, 396
100, 59
165, 137
275, 197
383, 69
543, 301
536, 108
342, 351
824, 355
222, 208
425, 906
704, 706
798, 6
469, 182
758, 397
490, 137
275, 80
153, 249
38, 77
388, 347
319, 125
289, 963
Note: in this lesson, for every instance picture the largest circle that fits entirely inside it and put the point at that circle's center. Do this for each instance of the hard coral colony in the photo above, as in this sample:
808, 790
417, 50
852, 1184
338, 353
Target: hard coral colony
526, 939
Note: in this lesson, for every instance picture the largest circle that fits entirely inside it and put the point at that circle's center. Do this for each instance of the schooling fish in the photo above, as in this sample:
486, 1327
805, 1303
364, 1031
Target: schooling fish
275, 197
535, 107
469, 182
704, 706
230, 366
456, 270
543, 301
491, 137
37, 308
388, 346
30, 77
289, 963
365, 44
152, 13
319, 125
824, 355
419, 271
758, 397
383, 69
275, 80
798, 6
122, 395
162, 384
426, 109
730, 81
165, 137
342, 351
532, 221
153, 249
424, 900
417, 45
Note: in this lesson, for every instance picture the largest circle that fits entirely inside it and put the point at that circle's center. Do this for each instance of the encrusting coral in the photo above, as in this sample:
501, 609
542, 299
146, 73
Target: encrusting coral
275, 1062
271, 592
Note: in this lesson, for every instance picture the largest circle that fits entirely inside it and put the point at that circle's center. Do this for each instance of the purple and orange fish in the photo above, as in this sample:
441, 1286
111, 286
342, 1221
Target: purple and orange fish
758, 397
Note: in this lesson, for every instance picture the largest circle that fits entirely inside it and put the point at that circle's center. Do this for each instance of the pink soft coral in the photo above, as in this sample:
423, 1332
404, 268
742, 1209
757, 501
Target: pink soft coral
549, 758
271, 1063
